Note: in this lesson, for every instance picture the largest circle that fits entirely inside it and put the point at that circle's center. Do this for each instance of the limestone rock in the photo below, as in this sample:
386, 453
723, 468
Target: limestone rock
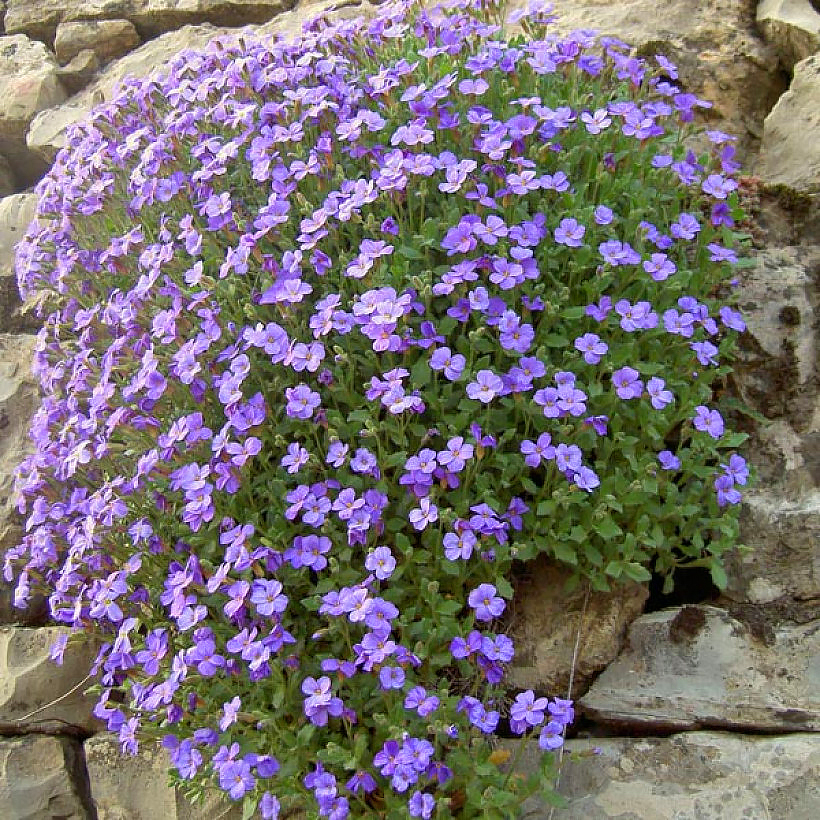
31, 683
41, 778
289, 23
7, 183
135, 787
714, 43
697, 667
40, 18
545, 628
47, 132
78, 72
783, 537
790, 152
15, 214
106, 38
18, 401
28, 84
792, 27
777, 368
689, 776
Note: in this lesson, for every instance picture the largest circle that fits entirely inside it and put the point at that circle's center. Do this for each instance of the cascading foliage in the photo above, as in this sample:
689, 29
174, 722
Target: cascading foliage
336, 331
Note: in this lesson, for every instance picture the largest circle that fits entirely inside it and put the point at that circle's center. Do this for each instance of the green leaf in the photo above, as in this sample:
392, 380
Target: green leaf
565, 552
608, 529
636, 572
409, 252
420, 373
718, 574
504, 587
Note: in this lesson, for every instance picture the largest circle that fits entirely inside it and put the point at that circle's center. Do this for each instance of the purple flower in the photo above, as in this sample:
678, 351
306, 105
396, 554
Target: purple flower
381, 563
486, 603
459, 546
421, 804
659, 266
725, 491
708, 421
426, 513
627, 383
451, 363
592, 347
485, 387
668, 460
686, 226
551, 736
570, 233
658, 394
302, 401
535, 451
391, 677
297, 456
737, 469
527, 711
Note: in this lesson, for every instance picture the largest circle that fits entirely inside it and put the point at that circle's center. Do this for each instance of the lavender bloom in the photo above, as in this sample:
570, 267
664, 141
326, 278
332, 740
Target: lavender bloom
668, 460
486, 603
627, 383
485, 387
708, 421
570, 233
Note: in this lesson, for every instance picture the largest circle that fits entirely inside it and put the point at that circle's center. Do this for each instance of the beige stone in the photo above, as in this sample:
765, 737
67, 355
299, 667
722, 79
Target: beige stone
28, 84
78, 72
688, 776
698, 667
41, 778
15, 214
7, 181
35, 693
18, 401
792, 27
108, 39
40, 18
546, 623
136, 788
790, 153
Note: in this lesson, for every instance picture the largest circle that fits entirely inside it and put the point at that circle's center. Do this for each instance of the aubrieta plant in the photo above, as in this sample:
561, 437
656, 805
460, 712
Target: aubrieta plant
336, 332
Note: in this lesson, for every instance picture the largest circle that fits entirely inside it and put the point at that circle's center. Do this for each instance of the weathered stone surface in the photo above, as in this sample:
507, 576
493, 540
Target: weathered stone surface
778, 367
42, 778
546, 625
15, 213
791, 26
40, 18
7, 183
790, 152
78, 72
697, 667
106, 38
689, 776
47, 131
784, 559
18, 400
31, 683
28, 84
289, 23
135, 788
715, 44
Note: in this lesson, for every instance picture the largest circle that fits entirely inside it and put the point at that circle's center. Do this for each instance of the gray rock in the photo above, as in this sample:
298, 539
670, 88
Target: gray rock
688, 776
41, 778
7, 181
697, 667
777, 368
792, 27
135, 787
790, 152
28, 84
18, 401
15, 214
40, 18
106, 38
78, 72
545, 627
36, 695
783, 560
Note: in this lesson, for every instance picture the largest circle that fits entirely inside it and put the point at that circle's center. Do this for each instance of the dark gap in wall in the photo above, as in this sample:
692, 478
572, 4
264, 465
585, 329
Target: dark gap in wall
692, 586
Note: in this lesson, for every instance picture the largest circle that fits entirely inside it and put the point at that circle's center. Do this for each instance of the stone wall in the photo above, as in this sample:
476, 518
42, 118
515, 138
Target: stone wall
709, 708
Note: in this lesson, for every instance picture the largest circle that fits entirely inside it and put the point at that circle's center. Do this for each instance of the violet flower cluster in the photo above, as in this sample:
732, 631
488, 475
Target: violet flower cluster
335, 331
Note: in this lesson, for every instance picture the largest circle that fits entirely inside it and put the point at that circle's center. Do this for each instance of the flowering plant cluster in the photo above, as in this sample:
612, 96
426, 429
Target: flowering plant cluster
336, 331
